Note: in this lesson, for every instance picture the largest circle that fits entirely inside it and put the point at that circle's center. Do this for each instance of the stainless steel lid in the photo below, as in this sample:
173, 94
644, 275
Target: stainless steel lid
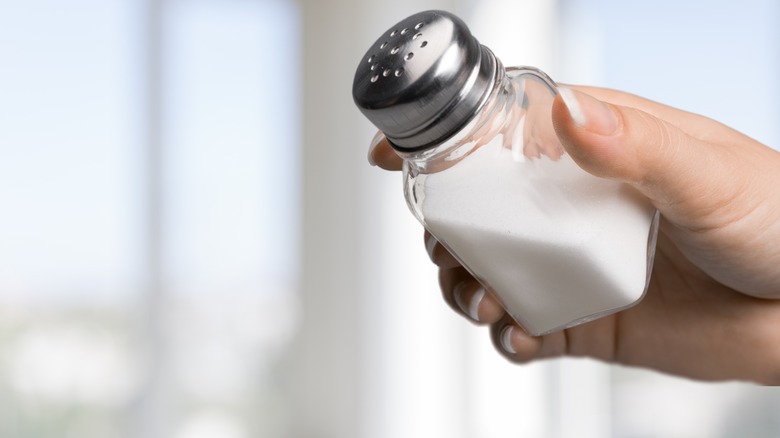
424, 79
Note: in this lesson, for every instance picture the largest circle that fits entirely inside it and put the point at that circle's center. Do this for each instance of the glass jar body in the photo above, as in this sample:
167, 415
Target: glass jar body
556, 245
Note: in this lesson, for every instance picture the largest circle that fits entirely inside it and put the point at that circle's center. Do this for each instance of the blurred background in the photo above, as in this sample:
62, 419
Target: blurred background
192, 244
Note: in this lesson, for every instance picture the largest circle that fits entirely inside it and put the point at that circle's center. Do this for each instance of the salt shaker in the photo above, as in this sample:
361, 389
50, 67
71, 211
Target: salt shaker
486, 175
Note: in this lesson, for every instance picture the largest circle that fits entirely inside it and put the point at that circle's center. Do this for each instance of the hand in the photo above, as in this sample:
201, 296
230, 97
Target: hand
709, 312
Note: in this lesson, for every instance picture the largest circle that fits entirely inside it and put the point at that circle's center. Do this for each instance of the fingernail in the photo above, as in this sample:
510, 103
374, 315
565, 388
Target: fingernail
470, 308
378, 137
588, 112
506, 340
430, 245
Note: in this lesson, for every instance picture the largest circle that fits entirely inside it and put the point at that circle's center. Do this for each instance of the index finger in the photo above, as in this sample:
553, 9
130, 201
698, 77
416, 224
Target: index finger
383, 155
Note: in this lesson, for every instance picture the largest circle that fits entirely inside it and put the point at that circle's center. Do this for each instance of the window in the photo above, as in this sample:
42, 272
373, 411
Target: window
148, 235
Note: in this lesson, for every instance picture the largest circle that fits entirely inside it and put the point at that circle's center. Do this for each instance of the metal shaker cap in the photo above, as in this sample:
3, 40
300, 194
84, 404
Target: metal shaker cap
424, 79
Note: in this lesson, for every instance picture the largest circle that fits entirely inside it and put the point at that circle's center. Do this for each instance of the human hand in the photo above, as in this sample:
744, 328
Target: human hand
708, 312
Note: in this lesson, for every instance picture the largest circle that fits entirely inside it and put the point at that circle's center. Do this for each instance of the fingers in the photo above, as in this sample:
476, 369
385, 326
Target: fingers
381, 154
468, 297
692, 124
681, 174
596, 339
513, 343
615, 142
438, 253
519, 347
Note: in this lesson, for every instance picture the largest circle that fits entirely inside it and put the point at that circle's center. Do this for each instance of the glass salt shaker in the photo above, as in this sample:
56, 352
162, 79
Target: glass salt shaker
485, 174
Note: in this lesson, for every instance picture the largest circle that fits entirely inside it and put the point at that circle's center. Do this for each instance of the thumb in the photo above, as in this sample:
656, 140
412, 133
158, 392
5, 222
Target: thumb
681, 174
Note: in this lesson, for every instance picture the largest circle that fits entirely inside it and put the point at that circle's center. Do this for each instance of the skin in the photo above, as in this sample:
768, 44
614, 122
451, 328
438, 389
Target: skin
710, 312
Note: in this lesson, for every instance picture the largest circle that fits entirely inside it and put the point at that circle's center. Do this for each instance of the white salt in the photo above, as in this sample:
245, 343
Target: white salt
555, 244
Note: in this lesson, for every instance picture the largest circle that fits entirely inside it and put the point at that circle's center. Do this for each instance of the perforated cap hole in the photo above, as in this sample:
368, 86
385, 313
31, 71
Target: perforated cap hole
392, 34
403, 32
409, 56
399, 72
374, 78
423, 44
384, 44
374, 66
387, 72
419, 26
395, 50
371, 59
417, 36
